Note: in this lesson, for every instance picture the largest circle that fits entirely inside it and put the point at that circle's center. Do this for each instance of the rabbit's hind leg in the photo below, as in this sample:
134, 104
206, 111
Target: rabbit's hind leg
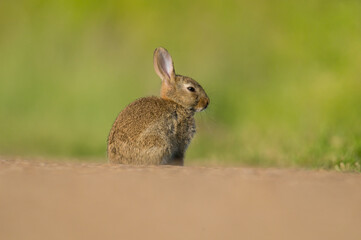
154, 150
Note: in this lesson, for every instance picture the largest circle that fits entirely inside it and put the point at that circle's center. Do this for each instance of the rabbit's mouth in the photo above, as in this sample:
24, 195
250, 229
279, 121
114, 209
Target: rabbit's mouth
202, 105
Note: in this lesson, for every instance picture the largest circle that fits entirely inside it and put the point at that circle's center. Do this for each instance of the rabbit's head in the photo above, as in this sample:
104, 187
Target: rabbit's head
180, 89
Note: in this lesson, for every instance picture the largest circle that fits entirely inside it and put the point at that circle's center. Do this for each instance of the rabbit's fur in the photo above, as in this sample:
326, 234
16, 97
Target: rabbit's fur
158, 130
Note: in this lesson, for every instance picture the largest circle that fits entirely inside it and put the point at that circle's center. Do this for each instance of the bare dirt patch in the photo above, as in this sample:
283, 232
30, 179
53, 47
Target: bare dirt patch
47, 200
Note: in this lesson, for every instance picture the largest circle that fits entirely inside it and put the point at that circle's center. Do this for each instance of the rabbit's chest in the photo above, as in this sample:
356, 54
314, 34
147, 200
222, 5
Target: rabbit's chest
184, 129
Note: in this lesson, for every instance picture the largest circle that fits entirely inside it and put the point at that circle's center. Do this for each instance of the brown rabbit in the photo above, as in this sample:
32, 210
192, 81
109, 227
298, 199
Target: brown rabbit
158, 130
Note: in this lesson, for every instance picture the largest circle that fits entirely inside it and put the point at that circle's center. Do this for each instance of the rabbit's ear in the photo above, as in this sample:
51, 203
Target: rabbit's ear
163, 64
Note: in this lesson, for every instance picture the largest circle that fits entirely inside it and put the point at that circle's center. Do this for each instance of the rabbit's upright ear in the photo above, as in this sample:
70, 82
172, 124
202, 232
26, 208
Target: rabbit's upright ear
163, 65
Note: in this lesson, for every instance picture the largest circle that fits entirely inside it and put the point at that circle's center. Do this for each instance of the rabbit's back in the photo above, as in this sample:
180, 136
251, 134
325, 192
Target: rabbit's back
150, 130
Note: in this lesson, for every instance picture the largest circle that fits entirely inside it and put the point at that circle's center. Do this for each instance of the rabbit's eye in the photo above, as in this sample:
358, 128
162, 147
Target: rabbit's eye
191, 89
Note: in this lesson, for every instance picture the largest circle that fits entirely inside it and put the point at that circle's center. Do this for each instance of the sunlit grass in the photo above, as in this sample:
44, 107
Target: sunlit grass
283, 77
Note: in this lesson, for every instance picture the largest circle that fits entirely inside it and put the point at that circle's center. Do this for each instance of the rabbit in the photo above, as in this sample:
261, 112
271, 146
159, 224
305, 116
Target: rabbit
157, 130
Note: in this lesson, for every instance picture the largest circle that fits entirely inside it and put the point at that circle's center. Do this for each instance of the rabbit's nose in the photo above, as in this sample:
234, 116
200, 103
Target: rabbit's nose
202, 104
206, 103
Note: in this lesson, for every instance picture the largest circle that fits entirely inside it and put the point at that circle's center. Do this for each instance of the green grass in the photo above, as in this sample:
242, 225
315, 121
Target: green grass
283, 76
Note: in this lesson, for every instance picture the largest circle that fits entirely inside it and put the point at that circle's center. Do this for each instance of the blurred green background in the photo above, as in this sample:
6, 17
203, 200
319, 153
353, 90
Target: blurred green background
283, 76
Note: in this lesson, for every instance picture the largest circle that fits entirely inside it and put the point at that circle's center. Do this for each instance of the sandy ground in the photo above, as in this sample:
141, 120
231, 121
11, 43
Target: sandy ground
47, 200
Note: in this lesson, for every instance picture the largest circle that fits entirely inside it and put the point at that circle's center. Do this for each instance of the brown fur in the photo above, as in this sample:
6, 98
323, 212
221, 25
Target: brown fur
154, 130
